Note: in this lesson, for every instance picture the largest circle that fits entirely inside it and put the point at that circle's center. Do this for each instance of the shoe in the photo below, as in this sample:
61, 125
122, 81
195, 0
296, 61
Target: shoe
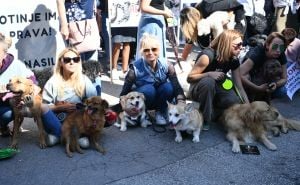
206, 126
160, 119
123, 75
5, 131
52, 140
84, 142
114, 74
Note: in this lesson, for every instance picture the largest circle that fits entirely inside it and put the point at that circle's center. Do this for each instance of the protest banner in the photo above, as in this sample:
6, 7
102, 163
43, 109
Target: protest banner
34, 29
293, 79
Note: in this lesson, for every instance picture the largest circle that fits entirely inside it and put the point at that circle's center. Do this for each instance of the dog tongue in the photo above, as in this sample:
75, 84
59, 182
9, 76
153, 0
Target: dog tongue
8, 96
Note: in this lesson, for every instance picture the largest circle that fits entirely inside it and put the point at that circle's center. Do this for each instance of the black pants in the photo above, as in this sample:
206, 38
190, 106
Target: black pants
206, 7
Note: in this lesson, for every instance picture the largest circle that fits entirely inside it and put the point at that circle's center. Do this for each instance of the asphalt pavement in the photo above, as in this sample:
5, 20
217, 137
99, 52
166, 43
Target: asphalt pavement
143, 156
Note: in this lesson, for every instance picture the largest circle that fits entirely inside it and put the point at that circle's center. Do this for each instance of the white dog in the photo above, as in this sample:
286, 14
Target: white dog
184, 117
134, 111
216, 22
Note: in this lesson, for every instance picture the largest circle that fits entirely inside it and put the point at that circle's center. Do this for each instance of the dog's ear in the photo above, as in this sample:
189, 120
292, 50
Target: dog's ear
123, 101
105, 104
142, 96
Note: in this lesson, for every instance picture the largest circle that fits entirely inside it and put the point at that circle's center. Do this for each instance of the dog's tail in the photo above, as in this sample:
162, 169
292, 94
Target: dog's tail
293, 124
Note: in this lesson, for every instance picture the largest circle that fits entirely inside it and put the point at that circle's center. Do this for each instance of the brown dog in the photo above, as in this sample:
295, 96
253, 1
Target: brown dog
254, 120
89, 121
24, 88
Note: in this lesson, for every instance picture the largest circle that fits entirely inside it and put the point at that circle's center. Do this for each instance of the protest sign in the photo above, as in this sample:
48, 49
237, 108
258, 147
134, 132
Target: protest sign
293, 79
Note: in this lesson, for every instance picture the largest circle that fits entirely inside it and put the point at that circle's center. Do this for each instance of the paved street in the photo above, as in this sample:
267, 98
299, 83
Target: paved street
143, 156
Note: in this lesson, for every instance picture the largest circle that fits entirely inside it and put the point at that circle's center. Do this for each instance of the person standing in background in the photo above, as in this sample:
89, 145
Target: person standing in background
76, 10
154, 13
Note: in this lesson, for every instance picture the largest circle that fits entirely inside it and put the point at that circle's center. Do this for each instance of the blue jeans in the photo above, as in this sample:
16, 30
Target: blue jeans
157, 97
6, 115
51, 123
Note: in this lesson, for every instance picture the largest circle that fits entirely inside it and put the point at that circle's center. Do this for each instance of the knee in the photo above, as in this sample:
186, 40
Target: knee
6, 117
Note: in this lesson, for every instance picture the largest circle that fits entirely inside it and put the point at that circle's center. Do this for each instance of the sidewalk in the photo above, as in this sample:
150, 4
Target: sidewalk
142, 156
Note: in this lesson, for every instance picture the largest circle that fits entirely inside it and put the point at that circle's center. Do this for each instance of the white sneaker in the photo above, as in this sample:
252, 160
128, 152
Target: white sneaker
52, 140
84, 142
115, 74
160, 119
123, 75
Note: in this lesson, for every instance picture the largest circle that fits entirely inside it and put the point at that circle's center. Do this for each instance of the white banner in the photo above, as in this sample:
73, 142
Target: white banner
34, 27
124, 13
293, 79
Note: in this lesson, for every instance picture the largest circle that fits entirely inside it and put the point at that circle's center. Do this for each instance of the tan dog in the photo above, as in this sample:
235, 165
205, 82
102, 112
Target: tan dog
24, 88
89, 121
252, 121
134, 111
184, 117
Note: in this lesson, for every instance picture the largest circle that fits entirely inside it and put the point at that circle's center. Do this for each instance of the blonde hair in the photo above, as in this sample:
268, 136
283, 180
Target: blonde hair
222, 44
189, 18
76, 80
5, 41
148, 41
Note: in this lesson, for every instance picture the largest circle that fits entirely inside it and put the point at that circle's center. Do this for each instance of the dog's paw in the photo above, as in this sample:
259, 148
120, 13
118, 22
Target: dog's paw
123, 129
178, 139
43, 145
146, 123
272, 147
196, 140
236, 149
284, 130
70, 154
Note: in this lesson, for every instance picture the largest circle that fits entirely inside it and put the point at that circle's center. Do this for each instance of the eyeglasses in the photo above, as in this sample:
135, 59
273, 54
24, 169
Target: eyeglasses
148, 50
276, 46
238, 45
68, 59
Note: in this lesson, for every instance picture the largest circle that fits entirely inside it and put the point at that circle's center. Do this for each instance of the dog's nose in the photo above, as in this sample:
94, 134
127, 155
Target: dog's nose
8, 86
276, 113
137, 103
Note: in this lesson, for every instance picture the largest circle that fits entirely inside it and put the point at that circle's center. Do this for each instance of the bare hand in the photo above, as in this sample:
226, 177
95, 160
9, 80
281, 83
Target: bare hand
218, 76
271, 87
168, 13
65, 32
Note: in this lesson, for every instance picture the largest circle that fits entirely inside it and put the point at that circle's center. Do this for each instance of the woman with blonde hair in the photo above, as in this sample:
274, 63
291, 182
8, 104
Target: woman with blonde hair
9, 67
66, 88
209, 80
155, 78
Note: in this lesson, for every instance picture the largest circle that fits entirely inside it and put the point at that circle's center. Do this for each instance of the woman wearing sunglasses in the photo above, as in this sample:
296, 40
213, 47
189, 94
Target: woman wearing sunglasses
153, 77
210, 85
252, 68
67, 88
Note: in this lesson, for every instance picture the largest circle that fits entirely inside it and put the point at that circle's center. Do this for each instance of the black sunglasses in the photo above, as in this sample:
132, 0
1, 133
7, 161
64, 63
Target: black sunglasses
148, 50
68, 59
238, 45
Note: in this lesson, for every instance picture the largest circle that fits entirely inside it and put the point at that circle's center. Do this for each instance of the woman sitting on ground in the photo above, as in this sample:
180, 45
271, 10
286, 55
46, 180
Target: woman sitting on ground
210, 71
67, 88
252, 67
155, 78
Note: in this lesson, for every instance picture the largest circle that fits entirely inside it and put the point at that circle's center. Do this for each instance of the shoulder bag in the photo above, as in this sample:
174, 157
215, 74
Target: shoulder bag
84, 35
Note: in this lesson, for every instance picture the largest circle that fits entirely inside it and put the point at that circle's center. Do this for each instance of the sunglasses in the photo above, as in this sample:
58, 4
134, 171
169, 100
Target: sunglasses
276, 46
148, 50
68, 59
238, 45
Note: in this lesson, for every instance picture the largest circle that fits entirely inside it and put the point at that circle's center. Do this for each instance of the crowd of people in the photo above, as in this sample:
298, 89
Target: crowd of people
151, 73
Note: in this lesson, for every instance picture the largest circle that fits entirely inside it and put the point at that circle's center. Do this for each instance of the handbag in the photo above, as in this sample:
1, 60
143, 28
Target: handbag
84, 35
258, 22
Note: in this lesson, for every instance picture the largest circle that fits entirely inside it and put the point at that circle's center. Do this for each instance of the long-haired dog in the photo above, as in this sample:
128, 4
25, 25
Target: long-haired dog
27, 102
216, 23
134, 111
245, 122
184, 117
88, 121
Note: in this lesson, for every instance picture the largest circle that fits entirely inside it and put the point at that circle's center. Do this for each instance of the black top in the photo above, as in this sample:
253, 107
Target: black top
258, 56
158, 4
214, 65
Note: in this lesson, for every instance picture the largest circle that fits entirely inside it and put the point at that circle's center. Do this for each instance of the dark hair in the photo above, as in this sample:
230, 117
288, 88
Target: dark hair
272, 36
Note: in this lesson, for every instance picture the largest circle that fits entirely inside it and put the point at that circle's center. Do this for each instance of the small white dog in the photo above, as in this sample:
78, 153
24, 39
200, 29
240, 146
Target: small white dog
134, 111
216, 22
184, 117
